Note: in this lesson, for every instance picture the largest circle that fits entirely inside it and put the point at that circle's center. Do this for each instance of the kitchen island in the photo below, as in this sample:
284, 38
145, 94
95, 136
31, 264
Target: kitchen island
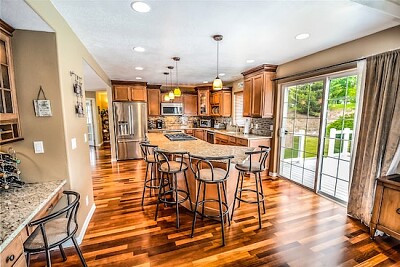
204, 149
18, 207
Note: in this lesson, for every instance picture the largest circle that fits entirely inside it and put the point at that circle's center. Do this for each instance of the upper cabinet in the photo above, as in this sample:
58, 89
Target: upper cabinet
221, 103
153, 100
9, 119
203, 95
129, 91
189, 104
258, 92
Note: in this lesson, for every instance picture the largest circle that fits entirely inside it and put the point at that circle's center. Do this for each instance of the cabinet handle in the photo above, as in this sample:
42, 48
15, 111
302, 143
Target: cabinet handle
398, 211
10, 258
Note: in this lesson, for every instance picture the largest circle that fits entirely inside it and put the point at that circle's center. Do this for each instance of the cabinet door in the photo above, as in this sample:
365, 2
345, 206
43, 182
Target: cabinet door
204, 102
248, 87
153, 102
226, 104
122, 93
268, 105
257, 94
198, 134
138, 93
389, 215
190, 105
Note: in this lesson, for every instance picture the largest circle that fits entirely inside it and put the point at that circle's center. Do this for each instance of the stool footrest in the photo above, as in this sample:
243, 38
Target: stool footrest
224, 206
262, 197
172, 193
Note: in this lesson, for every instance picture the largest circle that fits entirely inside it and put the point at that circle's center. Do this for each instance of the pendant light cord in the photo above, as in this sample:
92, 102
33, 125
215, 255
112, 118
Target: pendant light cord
217, 56
177, 81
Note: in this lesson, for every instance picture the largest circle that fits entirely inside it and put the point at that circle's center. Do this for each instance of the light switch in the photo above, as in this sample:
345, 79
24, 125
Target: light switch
85, 137
73, 143
38, 146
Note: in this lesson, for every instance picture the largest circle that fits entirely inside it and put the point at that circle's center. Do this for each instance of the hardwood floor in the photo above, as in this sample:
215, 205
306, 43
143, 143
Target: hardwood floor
300, 228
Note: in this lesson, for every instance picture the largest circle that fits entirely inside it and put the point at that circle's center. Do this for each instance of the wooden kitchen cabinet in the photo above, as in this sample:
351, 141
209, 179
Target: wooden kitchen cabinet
200, 134
153, 101
129, 91
189, 105
203, 100
221, 103
258, 91
10, 130
386, 211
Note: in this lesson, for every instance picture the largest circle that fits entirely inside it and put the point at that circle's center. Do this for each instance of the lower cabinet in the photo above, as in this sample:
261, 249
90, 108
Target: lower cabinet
200, 134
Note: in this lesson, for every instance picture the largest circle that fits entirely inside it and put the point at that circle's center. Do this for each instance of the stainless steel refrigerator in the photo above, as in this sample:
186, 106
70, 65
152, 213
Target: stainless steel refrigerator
130, 123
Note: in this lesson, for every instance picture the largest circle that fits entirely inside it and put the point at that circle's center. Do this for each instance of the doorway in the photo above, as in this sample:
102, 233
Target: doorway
316, 136
90, 122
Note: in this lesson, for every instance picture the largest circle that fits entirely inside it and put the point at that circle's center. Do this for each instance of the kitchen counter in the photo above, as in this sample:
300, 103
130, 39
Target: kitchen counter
199, 147
20, 205
229, 133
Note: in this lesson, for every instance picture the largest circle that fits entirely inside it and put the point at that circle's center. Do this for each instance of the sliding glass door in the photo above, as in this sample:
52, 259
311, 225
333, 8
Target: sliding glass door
317, 133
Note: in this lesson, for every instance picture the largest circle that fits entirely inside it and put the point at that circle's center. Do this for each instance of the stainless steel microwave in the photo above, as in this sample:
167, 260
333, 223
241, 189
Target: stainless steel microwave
171, 109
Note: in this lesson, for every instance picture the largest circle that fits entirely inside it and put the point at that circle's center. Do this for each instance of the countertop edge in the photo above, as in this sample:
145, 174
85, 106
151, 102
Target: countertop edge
11, 237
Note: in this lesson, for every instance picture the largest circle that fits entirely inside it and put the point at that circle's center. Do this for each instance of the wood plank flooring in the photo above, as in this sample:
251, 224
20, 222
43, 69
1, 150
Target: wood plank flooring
300, 228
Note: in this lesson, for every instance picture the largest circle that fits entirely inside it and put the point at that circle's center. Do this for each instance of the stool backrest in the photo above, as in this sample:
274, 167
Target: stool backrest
196, 167
163, 156
147, 149
263, 152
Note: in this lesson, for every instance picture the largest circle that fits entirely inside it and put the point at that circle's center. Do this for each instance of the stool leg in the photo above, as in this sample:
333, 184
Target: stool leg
62, 252
258, 200
79, 251
28, 259
48, 259
220, 214
159, 194
195, 209
241, 187
187, 188
226, 201
234, 200
145, 181
151, 179
175, 180
204, 196
262, 192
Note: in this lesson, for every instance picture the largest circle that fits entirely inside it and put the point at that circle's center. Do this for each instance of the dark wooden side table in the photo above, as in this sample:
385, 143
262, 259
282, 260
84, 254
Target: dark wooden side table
386, 211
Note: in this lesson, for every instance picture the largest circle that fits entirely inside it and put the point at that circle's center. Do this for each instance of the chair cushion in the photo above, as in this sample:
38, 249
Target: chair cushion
56, 230
173, 165
245, 166
206, 175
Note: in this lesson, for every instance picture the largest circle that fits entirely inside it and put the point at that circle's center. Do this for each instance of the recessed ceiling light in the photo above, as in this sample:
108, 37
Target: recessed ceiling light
138, 68
221, 74
205, 81
141, 7
250, 61
139, 49
138, 78
302, 36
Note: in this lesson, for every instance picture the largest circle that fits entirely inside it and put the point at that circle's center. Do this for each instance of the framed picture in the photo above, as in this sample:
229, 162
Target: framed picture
42, 108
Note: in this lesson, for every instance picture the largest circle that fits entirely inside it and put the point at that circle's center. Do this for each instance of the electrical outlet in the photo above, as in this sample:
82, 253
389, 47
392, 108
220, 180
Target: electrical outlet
38, 146
85, 137
73, 143
256, 126
271, 127
87, 200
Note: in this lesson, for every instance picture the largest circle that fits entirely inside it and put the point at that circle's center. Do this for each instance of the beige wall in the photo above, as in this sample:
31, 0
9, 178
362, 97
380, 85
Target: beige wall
70, 55
35, 63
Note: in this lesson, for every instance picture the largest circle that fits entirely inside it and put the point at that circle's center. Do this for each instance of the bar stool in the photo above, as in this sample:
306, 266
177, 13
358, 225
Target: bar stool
255, 168
170, 167
210, 175
149, 157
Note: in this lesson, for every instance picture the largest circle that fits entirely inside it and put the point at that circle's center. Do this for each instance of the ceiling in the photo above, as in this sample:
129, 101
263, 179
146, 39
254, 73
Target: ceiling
261, 30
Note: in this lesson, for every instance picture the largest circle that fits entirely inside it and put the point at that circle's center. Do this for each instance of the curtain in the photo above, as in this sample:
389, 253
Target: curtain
379, 132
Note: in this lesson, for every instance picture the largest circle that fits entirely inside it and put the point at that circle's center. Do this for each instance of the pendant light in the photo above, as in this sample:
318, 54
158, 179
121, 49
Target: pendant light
177, 90
217, 84
166, 97
171, 93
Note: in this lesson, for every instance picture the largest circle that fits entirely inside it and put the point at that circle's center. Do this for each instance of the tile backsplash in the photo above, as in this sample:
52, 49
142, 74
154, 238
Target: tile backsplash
263, 126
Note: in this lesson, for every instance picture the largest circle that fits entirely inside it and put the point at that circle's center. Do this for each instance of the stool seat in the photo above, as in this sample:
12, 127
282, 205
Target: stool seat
174, 166
245, 166
206, 175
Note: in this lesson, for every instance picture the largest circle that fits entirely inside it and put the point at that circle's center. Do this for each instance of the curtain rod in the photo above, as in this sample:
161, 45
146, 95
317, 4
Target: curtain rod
319, 69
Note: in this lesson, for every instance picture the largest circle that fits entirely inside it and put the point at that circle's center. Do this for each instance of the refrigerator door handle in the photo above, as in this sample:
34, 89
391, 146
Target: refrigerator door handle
131, 122
126, 141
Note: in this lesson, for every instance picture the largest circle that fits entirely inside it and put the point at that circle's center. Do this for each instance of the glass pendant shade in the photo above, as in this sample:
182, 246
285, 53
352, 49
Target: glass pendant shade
166, 97
217, 84
177, 92
171, 95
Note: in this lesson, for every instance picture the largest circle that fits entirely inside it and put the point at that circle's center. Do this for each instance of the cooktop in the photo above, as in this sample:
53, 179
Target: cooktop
179, 137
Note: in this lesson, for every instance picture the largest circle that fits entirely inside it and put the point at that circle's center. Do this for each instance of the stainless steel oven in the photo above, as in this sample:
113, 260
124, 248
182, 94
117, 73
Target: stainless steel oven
171, 109
210, 137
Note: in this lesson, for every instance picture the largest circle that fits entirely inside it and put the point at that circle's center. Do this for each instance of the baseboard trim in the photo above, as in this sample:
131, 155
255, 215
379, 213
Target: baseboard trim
273, 174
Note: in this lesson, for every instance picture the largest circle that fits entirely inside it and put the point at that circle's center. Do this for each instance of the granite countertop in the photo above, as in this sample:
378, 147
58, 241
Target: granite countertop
19, 205
229, 133
199, 147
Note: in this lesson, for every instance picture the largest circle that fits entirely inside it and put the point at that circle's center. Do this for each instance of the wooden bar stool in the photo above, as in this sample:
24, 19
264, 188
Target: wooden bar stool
148, 152
170, 167
255, 168
206, 174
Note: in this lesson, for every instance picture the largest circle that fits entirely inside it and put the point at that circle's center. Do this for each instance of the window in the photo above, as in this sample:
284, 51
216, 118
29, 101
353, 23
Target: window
238, 116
